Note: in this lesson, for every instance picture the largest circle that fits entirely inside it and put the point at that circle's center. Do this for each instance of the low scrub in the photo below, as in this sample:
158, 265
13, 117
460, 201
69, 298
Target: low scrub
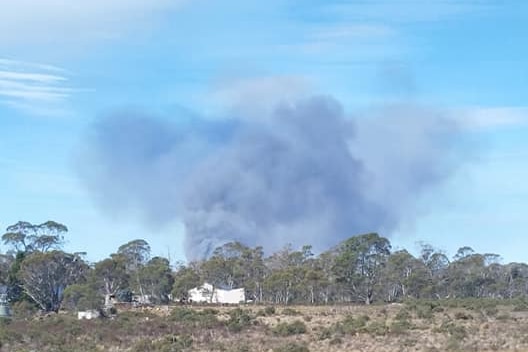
170, 343
239, 319
292, 347
287, 329
352, 325
188, 317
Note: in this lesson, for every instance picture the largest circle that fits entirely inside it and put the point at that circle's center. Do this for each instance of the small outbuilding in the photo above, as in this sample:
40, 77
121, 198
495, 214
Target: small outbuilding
88, 315
207, 293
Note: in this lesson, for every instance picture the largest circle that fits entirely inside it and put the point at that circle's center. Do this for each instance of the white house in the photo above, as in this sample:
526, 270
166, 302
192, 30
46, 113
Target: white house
207, 293
88, 315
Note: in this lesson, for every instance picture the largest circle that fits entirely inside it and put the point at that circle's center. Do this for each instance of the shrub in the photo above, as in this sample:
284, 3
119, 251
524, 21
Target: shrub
403, 314
292, 347
193, 318
290, 312
269, 311
377, 328
336, 341
400, 327
325, 334
424, 312
144, 345
124, 295
351, 325
170, 343
173, 343
520, 305
503, 316
287, 329
491, 311
456, 332
24, 309
238, 320
463, 316
242, 348
266, 312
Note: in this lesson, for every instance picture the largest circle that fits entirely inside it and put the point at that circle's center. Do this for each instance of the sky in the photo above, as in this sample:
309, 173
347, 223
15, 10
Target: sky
65, 65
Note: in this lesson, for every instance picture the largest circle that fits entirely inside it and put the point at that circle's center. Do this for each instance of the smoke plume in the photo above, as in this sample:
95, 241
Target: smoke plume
306, 175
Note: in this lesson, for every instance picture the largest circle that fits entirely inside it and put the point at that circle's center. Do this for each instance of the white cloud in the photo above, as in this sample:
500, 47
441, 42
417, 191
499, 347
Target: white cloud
374, 31
479, 118
348, 42
409, 11
258, 96
23, 66
355, 32
37, 89
25, 22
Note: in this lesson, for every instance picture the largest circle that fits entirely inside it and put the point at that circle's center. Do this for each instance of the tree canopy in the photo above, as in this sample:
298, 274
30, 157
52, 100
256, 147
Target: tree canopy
362, 269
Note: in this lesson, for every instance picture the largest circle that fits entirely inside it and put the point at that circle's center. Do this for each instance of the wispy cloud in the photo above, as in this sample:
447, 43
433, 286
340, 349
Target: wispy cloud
375, 30
480, 118
359, 31
74, 22
24, 66
257, 96
350, 43
33, 88
391, 11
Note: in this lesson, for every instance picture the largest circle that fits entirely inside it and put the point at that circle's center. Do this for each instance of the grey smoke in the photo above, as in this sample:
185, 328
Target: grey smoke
305, 175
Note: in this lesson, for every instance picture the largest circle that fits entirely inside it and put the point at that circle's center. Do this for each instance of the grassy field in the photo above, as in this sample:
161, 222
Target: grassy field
464, 325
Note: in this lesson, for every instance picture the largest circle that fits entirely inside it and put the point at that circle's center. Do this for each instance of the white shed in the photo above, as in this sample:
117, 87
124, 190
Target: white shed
234, 296
88, 315
202, 294
207, 293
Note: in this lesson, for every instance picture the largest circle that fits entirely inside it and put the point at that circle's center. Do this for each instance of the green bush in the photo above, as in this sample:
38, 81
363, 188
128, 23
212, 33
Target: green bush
424, 312
519, 305
239, 319
463, 316
193, 318
457, 332
403, 314
287, 329
491, 311
170, 343
377, 328
336, 341
290, 312
23, 309
143, 345
266, 312
503, 316
325, 333
292, 347
424, 309
399, 327
352, 325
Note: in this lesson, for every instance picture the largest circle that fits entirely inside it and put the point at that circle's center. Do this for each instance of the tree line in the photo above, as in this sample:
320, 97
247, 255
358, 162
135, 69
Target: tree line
36, 271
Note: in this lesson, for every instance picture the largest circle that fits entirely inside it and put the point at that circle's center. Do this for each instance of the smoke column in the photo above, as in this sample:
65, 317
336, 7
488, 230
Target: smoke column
305, 175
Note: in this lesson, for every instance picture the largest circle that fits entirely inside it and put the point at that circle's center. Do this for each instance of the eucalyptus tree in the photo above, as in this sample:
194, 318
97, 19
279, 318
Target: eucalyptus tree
23, 239
405, 276
472, 274
186, 277
156, 279
26, 237
111, 276
45, 276
135, 253
358, 265
287, 278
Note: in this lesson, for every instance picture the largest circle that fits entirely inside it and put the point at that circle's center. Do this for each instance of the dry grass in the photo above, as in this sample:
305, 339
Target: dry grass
418, 326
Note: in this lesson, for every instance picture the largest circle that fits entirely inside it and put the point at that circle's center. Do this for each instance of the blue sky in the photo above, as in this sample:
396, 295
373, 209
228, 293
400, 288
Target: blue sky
62, 65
